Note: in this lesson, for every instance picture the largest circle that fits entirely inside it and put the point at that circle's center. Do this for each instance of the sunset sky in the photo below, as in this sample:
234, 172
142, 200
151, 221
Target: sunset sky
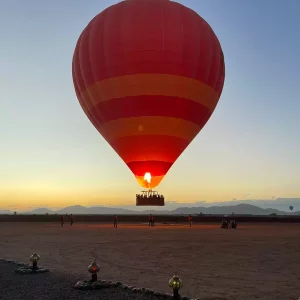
52, 156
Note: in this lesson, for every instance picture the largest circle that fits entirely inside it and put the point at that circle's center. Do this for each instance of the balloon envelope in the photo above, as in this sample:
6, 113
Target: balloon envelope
148, 74
291, 207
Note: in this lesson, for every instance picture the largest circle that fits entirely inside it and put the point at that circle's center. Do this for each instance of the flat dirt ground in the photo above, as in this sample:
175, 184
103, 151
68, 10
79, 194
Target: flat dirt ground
255, 261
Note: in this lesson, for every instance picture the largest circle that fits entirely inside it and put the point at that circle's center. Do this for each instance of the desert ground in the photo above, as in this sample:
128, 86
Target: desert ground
255, 261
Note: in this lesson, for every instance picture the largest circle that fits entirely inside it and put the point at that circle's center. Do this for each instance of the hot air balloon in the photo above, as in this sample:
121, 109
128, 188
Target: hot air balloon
148, 74
291, 207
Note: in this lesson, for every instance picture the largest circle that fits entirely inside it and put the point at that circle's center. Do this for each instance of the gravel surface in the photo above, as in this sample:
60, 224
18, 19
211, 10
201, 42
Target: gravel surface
54, 286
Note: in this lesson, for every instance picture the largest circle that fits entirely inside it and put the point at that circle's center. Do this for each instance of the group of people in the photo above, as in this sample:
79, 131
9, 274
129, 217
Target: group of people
229, 224
152, 196
151, 221
62, 220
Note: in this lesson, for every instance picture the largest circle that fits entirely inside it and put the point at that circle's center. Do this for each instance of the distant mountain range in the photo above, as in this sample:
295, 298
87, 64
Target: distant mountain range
241, 209
5, 212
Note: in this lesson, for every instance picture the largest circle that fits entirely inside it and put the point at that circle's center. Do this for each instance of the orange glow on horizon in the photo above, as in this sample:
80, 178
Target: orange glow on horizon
28, 200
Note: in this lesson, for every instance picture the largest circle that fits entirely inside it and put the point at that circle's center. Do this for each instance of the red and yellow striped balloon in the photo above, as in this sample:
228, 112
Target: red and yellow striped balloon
148, 74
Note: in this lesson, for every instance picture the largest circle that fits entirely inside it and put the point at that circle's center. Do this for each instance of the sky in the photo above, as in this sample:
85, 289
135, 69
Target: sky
52, 156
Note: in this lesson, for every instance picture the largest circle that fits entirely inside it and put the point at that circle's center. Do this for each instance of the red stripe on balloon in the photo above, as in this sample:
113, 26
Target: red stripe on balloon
161, 37
141, 106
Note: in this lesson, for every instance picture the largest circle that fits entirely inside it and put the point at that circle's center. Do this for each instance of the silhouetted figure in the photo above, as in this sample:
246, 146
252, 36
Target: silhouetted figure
153, 221
62, 221
72, 219
233, 224
150, 220
224, 224
190, 219
115, 221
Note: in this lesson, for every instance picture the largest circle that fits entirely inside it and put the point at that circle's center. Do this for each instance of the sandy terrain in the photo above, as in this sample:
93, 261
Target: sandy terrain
256, 261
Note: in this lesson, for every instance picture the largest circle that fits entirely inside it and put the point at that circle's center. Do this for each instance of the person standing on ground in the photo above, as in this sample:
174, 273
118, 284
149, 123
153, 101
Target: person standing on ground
62, 221
72, 219
153, 221
150, 220
115, 221
190, 219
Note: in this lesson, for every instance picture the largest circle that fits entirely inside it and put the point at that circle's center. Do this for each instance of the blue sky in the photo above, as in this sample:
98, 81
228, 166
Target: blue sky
51, 155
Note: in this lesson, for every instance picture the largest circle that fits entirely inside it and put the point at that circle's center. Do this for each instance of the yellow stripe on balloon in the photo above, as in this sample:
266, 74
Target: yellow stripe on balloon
155, 180
150, 84
167, 126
